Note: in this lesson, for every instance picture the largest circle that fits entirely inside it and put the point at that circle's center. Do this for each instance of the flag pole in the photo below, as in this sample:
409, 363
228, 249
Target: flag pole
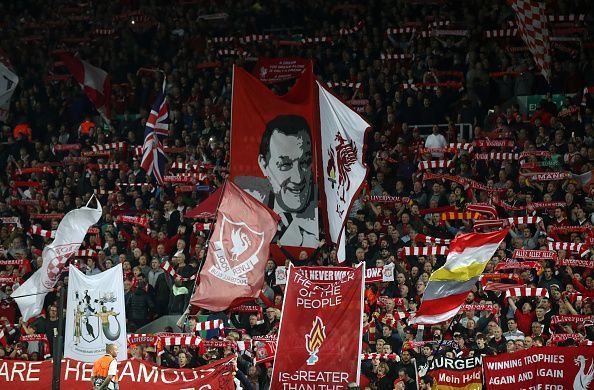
58, 343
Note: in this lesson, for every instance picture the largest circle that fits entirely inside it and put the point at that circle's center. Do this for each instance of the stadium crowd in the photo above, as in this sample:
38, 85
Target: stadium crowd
478, 80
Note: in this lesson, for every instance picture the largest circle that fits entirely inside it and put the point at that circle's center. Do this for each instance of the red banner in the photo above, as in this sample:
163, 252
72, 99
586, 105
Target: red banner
319, 342
273, 154
139, 221
133, 373
541, 368
276, 70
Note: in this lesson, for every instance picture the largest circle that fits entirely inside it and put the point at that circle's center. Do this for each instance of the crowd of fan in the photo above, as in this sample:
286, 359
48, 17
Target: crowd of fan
174, 39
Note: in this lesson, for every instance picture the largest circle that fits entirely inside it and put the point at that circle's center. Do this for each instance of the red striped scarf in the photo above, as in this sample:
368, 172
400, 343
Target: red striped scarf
582, 249
438, 164
168, 268
526, 292
38, 231
42, 338
424, 251
434, 240
482, 208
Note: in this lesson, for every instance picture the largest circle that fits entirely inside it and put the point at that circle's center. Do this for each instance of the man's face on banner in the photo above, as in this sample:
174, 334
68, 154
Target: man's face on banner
288, 167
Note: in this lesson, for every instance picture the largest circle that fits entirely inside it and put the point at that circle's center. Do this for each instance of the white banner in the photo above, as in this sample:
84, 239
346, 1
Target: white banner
70, 234
95, 315
343, 139
8, 83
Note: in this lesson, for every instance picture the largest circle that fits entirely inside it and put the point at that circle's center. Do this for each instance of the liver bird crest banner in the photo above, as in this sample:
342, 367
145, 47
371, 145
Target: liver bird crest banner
237, 251
95, 315
319, 342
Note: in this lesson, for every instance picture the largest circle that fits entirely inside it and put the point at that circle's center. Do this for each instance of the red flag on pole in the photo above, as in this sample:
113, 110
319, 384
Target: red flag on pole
237, 251
95, 82
319, 342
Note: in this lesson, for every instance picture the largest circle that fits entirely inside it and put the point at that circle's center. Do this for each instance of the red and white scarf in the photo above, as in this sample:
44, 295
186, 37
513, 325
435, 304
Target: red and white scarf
534, 254
434, 240
574, 319
391, 356
425, 251
139, 221
37, 337
576, 263
168, 268
437, 164
38, 231
110, 146
482, 208
526, 292
581, 249
201, 227
513, 264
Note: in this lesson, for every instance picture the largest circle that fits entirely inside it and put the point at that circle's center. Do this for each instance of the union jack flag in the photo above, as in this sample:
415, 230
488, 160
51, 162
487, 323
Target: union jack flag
157, 128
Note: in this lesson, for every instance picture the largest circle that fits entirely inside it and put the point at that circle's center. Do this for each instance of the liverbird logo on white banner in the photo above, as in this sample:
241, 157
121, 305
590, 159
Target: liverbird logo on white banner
583, 378
70, 234
233, 262
96, 314
343, 141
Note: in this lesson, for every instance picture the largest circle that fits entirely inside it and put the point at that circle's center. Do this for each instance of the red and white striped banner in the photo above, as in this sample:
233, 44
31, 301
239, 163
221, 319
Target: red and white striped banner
461, 145
526, 292
437, 164
38, 231
582, 249
111, 146
425, 251
499, 286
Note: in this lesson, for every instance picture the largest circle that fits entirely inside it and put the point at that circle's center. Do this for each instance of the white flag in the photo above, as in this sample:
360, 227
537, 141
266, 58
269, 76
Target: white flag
8, 83
95, 315
343, 141
70, 234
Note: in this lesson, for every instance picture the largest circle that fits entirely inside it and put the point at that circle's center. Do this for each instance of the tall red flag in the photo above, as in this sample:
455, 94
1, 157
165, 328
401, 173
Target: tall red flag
237, 251
319, 342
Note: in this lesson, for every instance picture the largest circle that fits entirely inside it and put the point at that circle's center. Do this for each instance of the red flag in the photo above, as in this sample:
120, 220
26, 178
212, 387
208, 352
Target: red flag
237, 251
94, 81
319, 340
